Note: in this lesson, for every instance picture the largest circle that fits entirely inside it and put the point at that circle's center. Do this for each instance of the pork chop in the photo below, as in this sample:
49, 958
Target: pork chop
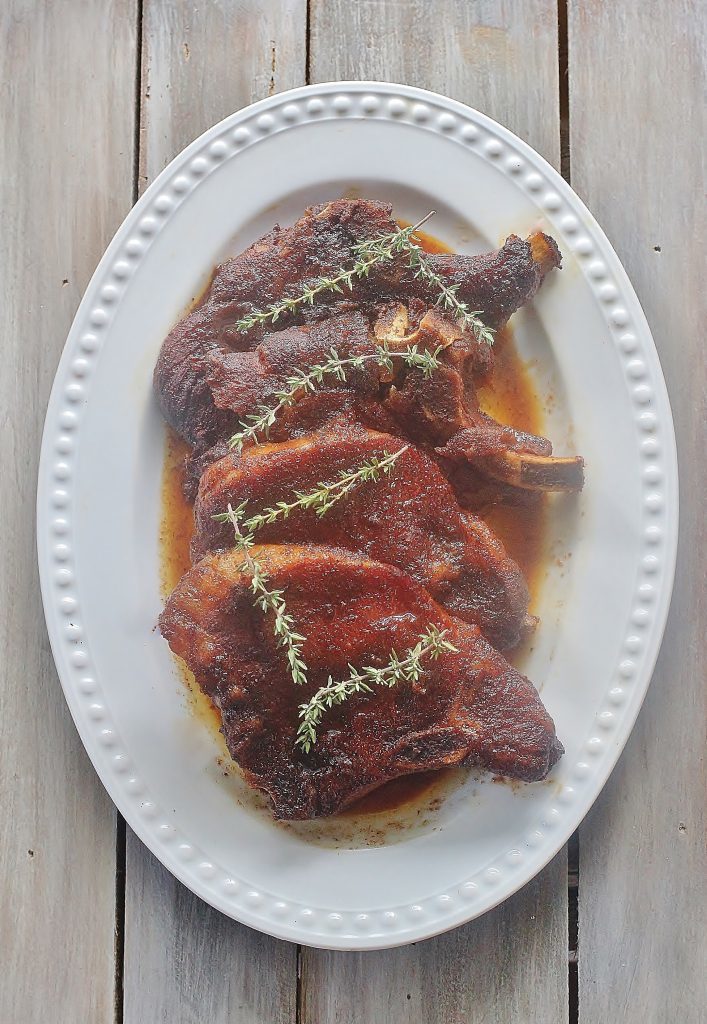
408, 518
469, 707
286, 260
439, 411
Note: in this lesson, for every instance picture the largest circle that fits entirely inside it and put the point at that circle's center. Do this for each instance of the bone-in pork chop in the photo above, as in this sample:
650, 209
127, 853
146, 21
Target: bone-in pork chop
468, 708
286, 260
439, 411
408, 518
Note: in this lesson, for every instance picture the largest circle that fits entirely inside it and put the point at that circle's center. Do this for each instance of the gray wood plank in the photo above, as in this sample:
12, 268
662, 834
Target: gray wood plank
495, 55
511, 965
66, 152
183, 961
200, 62
637, 115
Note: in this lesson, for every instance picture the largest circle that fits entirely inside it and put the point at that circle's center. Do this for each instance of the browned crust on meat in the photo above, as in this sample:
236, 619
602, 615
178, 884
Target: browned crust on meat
469, 708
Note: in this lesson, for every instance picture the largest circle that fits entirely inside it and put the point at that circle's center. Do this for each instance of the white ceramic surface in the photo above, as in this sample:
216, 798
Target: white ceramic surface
99, 508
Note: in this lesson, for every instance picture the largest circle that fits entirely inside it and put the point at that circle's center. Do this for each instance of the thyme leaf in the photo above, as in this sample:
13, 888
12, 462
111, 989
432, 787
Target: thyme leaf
408, 668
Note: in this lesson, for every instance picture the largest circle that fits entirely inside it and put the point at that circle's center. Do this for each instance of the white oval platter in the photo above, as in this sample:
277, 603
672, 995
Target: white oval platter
602, 615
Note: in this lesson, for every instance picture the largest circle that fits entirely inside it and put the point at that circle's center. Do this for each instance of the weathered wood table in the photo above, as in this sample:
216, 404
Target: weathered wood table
96, 96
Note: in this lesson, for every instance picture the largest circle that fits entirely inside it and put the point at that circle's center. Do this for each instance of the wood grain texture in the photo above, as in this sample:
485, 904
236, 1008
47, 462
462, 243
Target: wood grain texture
637, 116
509, 967
184, 962
202, 61
65, 185
499, 56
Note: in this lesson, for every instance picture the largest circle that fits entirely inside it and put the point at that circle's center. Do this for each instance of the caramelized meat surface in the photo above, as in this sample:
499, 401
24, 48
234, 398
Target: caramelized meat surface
286, 260
468, 708
395, 556
439, 412
409, 519
321, 242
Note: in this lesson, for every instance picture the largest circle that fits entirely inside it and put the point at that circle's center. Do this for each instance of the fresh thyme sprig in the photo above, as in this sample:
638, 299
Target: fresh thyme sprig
323, 497
419, 262
270, 600
406, 669
370, 252
465, 317
378, 250
260, 422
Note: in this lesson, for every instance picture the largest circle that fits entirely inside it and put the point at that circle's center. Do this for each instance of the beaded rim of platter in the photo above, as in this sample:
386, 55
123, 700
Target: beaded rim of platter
629, 334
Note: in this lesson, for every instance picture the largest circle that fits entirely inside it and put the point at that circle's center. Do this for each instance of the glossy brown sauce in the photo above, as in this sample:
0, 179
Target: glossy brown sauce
510, 398
177, 523
395, 794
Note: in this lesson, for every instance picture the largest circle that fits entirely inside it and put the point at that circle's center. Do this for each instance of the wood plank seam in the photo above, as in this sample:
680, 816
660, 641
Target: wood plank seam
564, 89
119, 917
120, 837
573, 853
